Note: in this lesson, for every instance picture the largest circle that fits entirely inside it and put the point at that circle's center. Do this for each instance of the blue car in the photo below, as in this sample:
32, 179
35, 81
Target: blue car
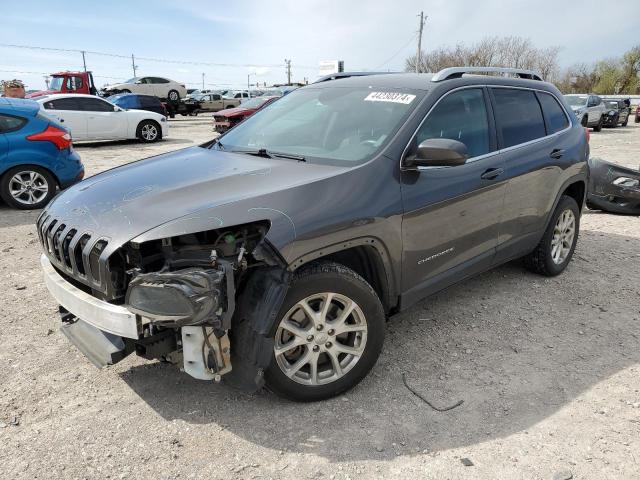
138, 102
36, 155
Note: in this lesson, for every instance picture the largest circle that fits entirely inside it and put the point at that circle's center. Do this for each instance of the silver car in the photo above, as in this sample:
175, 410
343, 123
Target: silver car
589, 109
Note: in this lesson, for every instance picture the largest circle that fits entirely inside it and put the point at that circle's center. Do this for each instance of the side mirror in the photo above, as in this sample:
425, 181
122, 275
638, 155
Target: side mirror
138, 82
117, 108
438, 152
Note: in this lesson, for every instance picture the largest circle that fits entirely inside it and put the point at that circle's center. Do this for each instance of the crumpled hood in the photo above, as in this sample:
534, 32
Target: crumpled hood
125, 202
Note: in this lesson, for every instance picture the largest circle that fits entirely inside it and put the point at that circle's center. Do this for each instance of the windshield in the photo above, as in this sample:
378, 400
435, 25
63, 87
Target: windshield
255, 102
576, 100
132, 80
56, 84
611, 104
337, 125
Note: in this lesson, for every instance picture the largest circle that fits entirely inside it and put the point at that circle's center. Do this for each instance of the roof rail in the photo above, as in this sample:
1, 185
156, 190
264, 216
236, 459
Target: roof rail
457, 72
336, 76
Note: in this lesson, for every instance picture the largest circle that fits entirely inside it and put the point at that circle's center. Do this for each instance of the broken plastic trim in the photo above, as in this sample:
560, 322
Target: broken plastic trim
613, 188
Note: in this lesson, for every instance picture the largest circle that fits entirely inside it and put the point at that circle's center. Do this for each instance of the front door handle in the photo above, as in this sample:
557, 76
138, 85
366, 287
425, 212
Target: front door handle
492, 174
556, 153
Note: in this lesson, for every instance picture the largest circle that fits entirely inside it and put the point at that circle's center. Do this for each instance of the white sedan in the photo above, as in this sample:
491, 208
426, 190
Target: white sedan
92, 118
159, 86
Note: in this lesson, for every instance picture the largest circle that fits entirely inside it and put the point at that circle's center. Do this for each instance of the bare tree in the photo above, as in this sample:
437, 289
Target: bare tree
516, 52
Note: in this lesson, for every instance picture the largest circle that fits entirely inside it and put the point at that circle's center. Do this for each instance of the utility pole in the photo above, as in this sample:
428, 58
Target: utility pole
133, 64
84, 62
288, 63
419, 55
202, 80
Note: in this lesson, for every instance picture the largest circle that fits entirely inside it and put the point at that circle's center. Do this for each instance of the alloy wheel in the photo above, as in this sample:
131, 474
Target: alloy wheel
28, 187
320, 339
149, 132
563, 235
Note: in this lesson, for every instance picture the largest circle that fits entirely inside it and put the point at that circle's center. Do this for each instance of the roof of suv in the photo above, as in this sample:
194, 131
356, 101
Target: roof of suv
422, 81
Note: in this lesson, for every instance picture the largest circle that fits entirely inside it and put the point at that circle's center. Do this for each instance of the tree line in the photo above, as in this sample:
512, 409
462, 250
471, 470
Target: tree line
610, 76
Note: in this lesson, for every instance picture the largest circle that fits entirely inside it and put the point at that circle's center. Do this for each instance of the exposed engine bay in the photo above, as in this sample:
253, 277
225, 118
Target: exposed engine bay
184, 291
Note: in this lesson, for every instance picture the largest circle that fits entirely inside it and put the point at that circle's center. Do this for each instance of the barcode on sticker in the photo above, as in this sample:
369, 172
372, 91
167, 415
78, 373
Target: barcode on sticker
394, 97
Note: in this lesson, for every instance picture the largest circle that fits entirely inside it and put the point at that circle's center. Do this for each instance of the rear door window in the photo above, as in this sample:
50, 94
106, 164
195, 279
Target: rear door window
95, 105
556, 118
461, 116
518, 116
9, 123
63, 104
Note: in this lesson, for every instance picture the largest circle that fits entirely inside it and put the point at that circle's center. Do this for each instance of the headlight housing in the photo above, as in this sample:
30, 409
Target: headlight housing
190, 296
627, 182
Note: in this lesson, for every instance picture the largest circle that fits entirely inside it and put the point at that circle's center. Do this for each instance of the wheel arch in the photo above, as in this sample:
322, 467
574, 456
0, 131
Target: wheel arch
368, 257
27, 165
576, 190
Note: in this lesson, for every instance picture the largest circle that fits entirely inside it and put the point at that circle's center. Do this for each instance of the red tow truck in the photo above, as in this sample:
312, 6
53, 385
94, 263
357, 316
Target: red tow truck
68, 82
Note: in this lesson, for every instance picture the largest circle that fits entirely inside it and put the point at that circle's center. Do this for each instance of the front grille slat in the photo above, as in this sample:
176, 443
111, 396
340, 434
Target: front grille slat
70, 250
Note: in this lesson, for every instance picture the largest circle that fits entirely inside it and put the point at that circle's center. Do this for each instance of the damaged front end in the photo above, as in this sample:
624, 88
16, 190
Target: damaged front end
613, 188
182, 292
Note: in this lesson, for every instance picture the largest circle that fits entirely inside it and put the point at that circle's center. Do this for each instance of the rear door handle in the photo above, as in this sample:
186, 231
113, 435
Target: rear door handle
556, 153
492, 173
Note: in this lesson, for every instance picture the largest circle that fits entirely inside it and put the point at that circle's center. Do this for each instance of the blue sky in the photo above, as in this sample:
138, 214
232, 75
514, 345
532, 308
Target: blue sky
365, 34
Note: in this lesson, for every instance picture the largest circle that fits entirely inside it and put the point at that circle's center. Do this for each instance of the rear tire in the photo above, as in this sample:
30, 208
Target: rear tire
38, 187
626, 121
328, 370
546, 259
173, 96
149, 131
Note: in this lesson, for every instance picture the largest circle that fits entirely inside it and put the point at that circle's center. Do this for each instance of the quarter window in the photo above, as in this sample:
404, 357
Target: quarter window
518, 116
9, 123
556, 118
461, 116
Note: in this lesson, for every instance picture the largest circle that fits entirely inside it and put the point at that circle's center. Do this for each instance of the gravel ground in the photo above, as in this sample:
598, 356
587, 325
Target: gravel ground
548, 370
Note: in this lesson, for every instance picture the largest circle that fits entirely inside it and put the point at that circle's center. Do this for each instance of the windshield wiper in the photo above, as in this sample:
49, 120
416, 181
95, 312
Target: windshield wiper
263, 152
300, 158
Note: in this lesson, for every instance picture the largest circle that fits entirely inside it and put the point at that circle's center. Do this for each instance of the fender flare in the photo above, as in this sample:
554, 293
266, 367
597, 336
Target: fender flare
366, 241
574, 179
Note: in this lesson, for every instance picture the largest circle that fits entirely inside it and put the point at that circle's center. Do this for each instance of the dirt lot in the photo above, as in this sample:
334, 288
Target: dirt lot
548, 370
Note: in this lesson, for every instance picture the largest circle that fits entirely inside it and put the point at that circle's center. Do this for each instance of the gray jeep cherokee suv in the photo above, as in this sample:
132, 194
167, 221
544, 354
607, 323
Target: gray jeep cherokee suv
273, 254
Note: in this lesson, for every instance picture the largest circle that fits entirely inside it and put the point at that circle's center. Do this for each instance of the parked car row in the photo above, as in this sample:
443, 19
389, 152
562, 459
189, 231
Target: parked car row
594, 112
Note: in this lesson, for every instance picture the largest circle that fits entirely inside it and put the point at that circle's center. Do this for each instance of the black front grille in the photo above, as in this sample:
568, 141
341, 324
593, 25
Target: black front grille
80, 255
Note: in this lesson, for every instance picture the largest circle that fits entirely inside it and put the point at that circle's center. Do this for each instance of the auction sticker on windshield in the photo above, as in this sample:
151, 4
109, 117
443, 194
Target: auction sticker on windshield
394, 97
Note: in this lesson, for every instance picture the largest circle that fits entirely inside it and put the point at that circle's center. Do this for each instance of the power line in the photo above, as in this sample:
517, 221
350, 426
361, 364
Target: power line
398, 52
148, 59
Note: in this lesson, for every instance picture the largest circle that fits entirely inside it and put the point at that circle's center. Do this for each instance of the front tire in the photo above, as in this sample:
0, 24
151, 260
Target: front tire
27, 187
329, 336
598, 127
554, 252
149, 131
